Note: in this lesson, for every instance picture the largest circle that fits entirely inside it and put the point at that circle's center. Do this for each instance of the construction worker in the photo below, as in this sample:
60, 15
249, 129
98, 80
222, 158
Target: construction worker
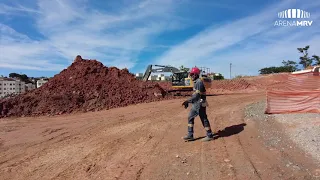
199, 103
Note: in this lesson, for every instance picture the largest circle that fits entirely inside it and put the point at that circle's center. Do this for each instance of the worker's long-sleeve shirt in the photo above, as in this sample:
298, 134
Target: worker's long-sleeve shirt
198, 94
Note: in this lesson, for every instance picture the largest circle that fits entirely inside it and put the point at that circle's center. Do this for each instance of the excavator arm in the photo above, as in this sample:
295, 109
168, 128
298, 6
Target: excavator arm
160, 69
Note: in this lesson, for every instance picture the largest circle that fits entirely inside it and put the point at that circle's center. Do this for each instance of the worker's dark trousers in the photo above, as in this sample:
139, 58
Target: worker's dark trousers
204, 119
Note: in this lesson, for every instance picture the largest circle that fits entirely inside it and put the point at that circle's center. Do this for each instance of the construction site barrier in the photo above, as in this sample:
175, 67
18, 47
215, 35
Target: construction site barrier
300, 93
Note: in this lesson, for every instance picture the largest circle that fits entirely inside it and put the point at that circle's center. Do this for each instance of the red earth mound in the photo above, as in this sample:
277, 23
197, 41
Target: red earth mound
266, 81
231, 85
248, 84
166, 85
86, 85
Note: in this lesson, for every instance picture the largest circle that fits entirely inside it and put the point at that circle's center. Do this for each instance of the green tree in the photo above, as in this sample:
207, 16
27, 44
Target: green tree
218, 77
305, 60
182, 68
273, 69
316, 59
14, 75
288, 66
22, 77
291, 66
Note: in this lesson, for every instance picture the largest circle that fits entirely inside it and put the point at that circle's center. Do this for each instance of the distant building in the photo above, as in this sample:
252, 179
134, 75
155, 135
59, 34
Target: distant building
10, 86
30, 86
41, 82
215, 76
159, 77
153, 78
314, 69
139, 76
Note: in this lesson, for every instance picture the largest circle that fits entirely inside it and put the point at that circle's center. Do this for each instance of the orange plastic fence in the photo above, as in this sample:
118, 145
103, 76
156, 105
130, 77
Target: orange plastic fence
300, 93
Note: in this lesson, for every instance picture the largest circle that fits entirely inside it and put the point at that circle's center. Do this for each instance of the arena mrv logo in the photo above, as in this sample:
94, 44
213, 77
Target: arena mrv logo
293, 17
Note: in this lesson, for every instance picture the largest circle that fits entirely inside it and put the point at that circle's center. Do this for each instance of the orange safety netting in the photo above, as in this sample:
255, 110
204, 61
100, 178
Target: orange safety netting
300, 93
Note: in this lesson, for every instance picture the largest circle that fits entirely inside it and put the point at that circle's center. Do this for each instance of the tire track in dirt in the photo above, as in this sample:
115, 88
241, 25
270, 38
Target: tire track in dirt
206, 160
215, 116
249, 159
95, 158
241, 162
202, 163
144, 142
252, 160
224, 120
212, 156
220, 152
272, 161
37, 154
153, 140
145, 150
137, 148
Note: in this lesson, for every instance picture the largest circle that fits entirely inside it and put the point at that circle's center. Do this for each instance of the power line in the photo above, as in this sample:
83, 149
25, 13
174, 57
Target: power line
230, 69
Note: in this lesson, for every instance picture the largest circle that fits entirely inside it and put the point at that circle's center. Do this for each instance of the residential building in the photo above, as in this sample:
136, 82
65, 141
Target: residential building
30, 86
153, 78
11, 86
159, 77
41, 82
139, 76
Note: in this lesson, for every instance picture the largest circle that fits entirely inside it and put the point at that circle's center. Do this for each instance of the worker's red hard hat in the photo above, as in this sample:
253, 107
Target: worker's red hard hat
195, 70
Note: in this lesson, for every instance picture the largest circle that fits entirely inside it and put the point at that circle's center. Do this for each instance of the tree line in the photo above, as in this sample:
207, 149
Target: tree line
24, 77
291, 66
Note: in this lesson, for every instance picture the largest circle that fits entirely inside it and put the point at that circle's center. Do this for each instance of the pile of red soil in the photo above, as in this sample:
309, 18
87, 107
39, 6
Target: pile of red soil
166, 85
267, 81
86, 85
230, 86
248, 84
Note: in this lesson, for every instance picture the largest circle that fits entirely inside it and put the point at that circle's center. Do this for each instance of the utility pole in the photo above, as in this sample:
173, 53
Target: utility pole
230, 69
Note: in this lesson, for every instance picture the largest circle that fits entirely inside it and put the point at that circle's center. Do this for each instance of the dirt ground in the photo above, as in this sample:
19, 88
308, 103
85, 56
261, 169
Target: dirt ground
144, 142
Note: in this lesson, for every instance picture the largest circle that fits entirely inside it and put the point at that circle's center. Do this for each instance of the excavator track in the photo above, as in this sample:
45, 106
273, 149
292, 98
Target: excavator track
175, 92
179, 92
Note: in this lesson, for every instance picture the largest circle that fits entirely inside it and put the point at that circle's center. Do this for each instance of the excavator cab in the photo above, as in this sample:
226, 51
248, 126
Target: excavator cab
181, 80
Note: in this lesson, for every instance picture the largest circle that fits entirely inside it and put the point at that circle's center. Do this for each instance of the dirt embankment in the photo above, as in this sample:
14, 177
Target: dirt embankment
144, 142
248, 84
86, 85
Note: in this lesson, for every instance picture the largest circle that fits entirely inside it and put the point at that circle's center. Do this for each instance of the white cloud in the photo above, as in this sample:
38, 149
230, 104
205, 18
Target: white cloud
248, 62
5, 9
71, 27
249, 43
46, 67
117, 36
20, 52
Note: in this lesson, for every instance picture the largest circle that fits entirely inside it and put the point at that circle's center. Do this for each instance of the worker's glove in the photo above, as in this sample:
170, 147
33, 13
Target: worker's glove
185, 104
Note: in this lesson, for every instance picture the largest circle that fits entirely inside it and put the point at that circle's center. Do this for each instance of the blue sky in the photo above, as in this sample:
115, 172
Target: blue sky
41, 38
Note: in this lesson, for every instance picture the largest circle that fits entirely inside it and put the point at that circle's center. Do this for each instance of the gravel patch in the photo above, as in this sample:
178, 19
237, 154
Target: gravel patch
272, 137
302, 129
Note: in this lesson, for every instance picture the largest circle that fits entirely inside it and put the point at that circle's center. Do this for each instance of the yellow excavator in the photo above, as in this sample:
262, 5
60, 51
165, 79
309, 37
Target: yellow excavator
180, 79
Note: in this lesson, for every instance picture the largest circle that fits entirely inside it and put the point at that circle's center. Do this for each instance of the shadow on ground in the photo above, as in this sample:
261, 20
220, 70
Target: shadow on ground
229, 131
226, 132
198, 138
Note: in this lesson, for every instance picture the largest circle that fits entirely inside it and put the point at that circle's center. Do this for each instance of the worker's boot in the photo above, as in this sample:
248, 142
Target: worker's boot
209, 136
188, 137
